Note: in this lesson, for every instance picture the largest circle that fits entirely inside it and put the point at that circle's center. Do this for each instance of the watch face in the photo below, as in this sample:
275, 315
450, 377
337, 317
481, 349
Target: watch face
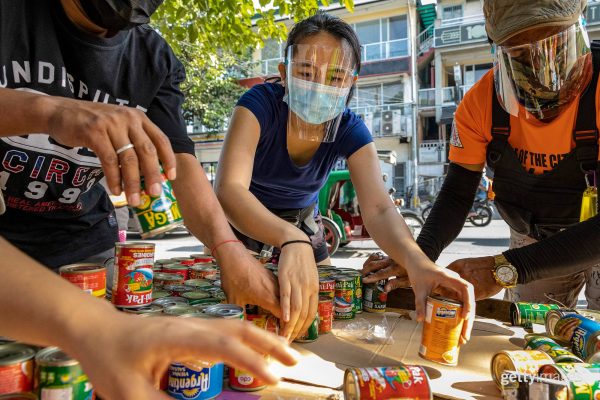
505, 274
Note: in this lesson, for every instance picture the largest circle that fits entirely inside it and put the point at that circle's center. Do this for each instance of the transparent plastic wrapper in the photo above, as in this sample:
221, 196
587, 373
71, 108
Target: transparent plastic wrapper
363, 330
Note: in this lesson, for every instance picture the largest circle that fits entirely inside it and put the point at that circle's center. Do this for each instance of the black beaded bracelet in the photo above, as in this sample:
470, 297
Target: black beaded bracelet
308, 242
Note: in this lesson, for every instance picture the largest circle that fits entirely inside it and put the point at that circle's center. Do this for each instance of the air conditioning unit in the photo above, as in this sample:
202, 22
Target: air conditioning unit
368, 120
391, 122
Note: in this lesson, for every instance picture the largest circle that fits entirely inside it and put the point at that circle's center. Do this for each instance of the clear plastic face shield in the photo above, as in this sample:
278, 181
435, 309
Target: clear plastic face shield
318, 82
540, 78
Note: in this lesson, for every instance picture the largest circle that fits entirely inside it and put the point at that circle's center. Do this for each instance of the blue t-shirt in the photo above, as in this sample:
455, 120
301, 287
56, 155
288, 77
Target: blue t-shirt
277, 182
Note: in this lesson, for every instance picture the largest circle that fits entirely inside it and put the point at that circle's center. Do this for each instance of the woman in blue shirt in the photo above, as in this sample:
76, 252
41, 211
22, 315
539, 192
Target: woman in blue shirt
283, 141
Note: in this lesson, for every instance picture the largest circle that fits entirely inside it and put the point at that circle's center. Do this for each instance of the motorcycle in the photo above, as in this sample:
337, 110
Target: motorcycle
480, 214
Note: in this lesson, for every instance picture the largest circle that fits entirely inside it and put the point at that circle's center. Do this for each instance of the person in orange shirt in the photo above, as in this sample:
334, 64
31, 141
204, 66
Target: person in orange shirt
533, 120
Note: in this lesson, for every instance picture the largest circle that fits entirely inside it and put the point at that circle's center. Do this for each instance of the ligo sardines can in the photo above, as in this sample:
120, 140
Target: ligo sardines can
16, 368
522, 361
441, 330
581, 332
525, 314
227, 311
132, 285
400, 382
160, 214
195, 380
89, 277
58, 376
583, 379
311, 334
344, 297
325, 314
558, 353
327, 287
375, 297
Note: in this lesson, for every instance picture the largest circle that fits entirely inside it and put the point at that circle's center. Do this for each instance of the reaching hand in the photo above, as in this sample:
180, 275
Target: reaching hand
478, 271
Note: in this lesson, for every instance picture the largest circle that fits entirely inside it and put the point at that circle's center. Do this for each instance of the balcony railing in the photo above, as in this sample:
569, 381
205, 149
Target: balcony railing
430, 98
467, 19
269, 66
425, 39
385, 50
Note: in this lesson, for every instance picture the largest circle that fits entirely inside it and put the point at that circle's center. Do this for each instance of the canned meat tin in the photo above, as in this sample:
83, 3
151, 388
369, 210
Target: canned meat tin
583, 379
327, 287
133, 274
325, 311
552, 318
558, 353
358, 290
399, 382
311, 334
195, 380
525, 314
581, 332
521, 361
16, 368
344, 297
59, 376
375, 297
227, 311
441, 330
91, 278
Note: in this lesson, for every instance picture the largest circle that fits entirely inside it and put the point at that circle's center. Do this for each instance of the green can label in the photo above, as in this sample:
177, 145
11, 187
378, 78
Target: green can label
358, 293
558, 353
525, 314
344, 298
583, 379
158, 214
65, 382
311, 334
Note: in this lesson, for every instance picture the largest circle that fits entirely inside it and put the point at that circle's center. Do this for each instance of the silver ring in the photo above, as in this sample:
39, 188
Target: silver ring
126, 147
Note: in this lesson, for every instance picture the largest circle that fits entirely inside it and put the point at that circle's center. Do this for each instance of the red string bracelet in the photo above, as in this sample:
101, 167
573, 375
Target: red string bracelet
213, 251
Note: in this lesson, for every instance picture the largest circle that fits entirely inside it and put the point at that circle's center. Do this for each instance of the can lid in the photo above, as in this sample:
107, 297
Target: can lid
224, 310
145, 245
179, 309
149, 309
82, 268
343, 278
446, 300
170, 301
53, 356
198, 294
199, 283
12, 353
351, 390
163, 276
176, 267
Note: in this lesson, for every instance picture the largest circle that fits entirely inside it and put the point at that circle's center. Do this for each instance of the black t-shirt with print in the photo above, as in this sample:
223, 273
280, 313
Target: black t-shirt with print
57, 212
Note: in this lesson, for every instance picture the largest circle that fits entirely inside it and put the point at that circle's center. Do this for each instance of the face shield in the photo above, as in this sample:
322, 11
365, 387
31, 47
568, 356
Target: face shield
540, 78
318, 82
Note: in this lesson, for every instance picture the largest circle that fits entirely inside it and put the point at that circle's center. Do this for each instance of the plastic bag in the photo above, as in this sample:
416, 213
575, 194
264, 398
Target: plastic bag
361, 329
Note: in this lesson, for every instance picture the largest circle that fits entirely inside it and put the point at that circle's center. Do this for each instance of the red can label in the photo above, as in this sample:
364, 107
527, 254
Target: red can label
183, 272
401, 382
325, 315
202, 272
244, 381
132, 285
16, 378
90, 278
327, 287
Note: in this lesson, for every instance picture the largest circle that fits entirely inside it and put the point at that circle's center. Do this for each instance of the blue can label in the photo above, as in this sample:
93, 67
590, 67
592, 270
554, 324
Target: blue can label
195, 381
578, 330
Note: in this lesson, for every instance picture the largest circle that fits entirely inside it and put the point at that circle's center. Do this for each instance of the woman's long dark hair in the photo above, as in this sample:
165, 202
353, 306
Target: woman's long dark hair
323, 22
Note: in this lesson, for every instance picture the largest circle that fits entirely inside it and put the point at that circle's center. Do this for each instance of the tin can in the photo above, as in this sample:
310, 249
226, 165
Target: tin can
16, 368
327, 287
581, 332
441, 330
558, 353
311, 334
517, 386
178, 290
375, 297
522, 361
59, 376
202, 271
159, 294
179, 309
195, 380
358, 290
160, 214
227, 311
179, 269
198, 283
161, 280
151, 309
132, 286
202, 258
170, 301
525, 314
583, 379
344, 297
195, 295
399, 382
189, 262
202, 304
325, 314
218, 294
91, 278
553, 316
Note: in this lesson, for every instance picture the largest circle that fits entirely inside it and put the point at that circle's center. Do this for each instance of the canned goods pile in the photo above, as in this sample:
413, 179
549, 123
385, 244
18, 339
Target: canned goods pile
563, 363
47, 374
398, 382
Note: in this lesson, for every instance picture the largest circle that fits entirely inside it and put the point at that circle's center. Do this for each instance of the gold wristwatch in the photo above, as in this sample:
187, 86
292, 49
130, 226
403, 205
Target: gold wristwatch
504, 272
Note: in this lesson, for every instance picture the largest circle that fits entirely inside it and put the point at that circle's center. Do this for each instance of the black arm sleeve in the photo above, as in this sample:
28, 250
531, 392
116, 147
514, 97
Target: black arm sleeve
570, 251
448, 215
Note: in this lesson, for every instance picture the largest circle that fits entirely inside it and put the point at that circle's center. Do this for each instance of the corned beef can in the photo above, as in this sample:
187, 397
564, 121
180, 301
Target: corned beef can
196, 380
179, 269
325, 314
16, 368
377, 383
521, 361
91, 278
132, 285
441, 330
524, 314
582, 333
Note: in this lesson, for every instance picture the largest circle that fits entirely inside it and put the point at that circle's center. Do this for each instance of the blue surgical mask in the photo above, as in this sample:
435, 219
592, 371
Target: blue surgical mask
313, 102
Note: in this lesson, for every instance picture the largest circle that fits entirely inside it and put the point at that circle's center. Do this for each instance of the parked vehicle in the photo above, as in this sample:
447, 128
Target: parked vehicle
480, 214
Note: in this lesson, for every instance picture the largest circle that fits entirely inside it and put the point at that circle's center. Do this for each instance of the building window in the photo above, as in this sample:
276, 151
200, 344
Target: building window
210, 168
383, 38
400, 179
381, 105
271, 56
452, 12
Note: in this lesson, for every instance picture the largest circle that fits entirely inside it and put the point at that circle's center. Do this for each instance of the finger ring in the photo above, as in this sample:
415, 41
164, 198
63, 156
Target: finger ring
126, 147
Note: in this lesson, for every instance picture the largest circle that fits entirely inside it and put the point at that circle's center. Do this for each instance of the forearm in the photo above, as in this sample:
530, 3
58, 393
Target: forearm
23, 112
54, 311
448, 215
570, 251
253, 219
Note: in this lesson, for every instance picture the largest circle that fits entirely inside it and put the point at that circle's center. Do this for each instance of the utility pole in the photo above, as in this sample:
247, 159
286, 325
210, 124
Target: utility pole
412, 23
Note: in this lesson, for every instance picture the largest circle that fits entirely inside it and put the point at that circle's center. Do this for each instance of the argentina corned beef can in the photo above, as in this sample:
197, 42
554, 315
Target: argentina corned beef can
378, 383
91, 278
132, 276
16, 368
